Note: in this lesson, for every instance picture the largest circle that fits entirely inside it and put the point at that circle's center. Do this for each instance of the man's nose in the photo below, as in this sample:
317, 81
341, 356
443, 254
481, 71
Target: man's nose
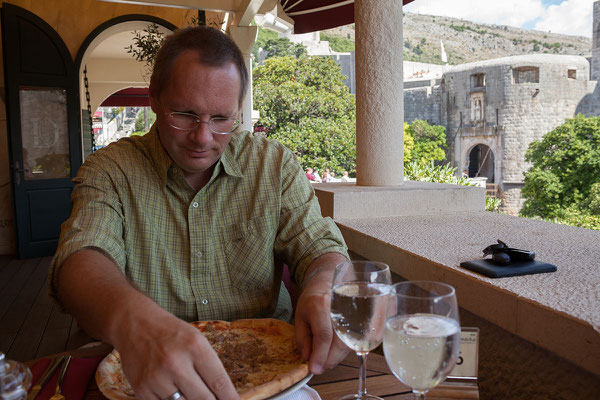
201, 133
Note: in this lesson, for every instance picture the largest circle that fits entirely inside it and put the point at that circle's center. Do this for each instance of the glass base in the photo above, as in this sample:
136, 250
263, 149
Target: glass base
358, 397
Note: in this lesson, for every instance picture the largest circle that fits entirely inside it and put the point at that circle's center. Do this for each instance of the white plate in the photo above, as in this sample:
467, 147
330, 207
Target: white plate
292, 388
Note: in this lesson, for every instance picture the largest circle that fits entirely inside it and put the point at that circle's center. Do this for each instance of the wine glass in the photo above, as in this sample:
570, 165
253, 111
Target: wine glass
358, 311
422, 334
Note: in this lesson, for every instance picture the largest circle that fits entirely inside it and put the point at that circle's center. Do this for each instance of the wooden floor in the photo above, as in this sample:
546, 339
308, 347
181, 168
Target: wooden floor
31, 325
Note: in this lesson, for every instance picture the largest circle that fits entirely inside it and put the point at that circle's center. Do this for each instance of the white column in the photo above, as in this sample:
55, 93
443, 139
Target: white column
379, 93
244, 37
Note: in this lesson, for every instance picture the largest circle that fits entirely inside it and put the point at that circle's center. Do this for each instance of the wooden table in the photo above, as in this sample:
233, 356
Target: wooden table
334, 383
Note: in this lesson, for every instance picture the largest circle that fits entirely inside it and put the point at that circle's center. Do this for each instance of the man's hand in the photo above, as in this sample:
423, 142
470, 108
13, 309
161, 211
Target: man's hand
169, 355
161, 354
317, 340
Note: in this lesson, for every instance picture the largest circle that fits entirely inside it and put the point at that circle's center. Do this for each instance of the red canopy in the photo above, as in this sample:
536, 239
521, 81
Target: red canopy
317, 15
130, 97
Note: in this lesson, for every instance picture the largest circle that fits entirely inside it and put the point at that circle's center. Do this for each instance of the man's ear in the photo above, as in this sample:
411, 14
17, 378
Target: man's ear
153, 100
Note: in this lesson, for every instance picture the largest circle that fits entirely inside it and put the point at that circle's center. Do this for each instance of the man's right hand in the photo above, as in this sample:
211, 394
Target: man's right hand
169, 355
161, 354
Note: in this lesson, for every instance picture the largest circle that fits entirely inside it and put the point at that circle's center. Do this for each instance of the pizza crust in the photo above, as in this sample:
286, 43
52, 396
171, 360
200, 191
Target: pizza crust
276, 385
260, 356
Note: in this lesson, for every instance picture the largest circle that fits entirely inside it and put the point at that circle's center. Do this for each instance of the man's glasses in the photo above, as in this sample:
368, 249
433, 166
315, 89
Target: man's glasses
186, 122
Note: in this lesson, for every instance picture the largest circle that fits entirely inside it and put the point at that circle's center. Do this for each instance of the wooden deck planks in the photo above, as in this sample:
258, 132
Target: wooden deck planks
31, 325
56, 335
29, 336
17, 300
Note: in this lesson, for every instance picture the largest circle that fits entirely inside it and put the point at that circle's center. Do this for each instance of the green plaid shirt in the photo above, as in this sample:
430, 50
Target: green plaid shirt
200, 255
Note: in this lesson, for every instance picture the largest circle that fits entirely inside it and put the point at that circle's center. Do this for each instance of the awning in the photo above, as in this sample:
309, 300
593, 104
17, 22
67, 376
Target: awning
317, 15
130, 97
308, 15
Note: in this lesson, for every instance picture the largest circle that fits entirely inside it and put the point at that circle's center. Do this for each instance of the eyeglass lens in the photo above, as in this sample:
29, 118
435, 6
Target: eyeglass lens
187, 121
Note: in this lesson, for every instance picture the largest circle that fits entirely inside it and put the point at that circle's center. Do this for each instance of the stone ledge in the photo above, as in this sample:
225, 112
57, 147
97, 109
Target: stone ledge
346, 200
556, 311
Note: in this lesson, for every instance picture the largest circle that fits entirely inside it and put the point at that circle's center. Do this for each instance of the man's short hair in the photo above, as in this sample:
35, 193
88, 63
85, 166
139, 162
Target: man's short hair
214, 49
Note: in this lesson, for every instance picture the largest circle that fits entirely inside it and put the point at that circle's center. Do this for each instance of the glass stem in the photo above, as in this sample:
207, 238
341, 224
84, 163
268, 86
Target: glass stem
362, 374
419, 394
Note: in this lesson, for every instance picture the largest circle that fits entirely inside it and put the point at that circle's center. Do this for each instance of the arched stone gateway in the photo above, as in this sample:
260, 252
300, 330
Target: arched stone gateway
481, 163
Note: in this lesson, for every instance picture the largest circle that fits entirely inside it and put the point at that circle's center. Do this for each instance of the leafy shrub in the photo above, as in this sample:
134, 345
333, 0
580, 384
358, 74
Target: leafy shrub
574, 217
492, 203
593, 203
429, 140
565, 171
429, 172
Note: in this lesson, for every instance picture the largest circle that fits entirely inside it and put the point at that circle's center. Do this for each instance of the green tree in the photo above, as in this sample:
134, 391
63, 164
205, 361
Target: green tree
260, 43
565, 171
283, 47
304, 103
429, 141
340, 44
140, 125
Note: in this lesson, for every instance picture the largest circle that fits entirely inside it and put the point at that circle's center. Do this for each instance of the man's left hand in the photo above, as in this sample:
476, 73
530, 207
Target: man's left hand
314, 332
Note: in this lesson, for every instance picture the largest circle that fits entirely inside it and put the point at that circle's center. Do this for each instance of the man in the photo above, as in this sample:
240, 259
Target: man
181, 225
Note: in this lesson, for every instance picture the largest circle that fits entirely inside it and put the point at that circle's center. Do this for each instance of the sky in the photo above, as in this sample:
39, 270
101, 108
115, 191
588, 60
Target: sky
570, 17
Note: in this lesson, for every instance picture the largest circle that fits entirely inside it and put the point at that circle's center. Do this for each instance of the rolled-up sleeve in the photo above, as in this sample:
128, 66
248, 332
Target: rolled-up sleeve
96, 220
303, 232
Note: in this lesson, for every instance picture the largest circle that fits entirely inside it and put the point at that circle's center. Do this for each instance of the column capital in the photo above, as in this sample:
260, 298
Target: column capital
244, 37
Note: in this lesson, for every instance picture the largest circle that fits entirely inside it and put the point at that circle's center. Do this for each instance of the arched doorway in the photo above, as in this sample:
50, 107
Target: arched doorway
110, 75
43, 128
481, 163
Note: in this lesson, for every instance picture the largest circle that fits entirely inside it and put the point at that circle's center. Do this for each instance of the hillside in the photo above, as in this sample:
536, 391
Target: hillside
466, 41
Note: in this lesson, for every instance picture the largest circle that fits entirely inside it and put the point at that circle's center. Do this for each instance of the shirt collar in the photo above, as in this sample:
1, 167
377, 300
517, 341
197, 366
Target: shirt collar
163, 161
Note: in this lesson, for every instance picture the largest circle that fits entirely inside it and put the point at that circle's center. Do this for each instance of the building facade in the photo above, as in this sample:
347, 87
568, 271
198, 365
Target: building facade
494, 109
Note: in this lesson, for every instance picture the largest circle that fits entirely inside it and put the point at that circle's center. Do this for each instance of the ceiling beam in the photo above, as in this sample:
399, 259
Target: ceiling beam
208, 5
246, 12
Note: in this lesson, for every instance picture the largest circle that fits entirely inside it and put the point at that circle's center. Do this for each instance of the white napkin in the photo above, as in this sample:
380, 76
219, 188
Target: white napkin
304, 393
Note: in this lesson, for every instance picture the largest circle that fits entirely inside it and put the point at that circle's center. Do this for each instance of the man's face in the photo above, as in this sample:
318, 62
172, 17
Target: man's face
207, 92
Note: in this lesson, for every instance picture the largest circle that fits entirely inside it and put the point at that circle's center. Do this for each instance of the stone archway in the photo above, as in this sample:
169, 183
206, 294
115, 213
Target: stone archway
105, 66
481, 163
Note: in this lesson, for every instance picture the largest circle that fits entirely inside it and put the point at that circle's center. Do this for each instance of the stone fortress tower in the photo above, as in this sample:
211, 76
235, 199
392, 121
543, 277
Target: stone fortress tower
494, 109
596, 43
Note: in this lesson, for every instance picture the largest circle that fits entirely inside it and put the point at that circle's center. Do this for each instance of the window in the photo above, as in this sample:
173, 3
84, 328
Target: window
572, 73
526, 75
477, 81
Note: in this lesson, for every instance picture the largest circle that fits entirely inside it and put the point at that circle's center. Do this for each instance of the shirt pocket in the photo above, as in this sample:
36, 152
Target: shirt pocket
249, 254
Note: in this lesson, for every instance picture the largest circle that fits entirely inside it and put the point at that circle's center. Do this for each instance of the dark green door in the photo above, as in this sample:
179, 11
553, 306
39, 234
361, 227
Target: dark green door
42, 103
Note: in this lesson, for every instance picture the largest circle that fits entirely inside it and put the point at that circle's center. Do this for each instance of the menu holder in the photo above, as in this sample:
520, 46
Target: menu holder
466, 368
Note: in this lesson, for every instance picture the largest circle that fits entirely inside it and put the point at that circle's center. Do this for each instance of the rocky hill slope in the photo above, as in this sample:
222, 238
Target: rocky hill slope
466, 41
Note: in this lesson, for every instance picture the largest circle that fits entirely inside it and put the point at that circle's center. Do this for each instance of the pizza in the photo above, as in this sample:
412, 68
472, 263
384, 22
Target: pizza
260, 356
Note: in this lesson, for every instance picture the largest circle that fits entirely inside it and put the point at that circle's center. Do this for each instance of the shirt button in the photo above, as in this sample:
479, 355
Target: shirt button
204, 301
195, 204
198, 254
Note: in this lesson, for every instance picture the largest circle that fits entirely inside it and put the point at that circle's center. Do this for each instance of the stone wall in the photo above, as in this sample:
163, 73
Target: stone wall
506, 104
422, 100
595, 75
